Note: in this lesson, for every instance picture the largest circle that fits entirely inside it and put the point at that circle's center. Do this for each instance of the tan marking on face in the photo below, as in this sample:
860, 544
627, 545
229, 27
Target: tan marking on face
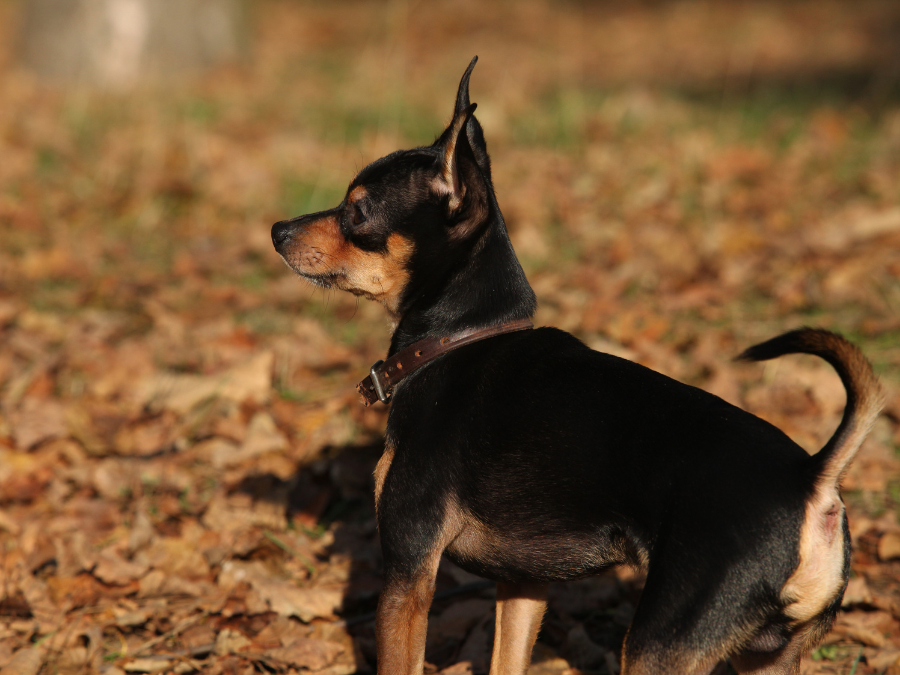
381, 277
819, 575
357, 193
320, 249
381, 470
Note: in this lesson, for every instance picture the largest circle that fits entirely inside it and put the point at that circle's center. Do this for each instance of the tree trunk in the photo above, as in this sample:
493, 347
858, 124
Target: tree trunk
118, 43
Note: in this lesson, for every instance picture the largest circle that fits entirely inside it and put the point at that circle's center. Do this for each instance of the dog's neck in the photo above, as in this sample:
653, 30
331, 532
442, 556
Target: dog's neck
485, 287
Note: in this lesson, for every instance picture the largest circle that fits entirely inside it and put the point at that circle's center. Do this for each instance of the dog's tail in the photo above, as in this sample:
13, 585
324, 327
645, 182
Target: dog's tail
864, 396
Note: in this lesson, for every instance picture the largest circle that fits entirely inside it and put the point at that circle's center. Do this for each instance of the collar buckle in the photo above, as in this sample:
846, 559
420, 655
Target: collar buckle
383, 396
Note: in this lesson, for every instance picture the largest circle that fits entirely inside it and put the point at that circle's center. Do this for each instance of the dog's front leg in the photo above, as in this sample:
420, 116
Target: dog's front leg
520, 609
401, 623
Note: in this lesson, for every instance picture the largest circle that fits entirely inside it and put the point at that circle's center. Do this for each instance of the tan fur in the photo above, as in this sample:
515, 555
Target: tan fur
321, 249
357, 193
520, 609
402, 621
784, 662
668, 661
450, 182
477, 541
819, 575
870, 401
381, 470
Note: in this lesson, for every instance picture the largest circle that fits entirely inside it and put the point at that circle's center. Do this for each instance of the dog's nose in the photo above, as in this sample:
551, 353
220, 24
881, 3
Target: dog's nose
280, 232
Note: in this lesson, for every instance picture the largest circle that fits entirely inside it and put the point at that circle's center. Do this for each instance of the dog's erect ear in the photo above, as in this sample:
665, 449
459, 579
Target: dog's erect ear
459, 177
473, 128
456, 152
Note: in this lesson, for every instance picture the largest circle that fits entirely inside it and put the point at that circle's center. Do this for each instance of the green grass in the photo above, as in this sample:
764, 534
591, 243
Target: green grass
300, 196
558, 119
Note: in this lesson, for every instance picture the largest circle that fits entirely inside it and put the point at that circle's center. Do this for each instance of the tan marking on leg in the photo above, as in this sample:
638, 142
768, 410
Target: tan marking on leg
786, 661
401, 621
381, 470
679, 662
820, 573
520, 609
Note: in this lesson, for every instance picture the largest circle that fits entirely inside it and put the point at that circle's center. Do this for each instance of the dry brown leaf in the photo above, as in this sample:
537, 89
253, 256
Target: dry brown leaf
240, 512
159, 583
882, 659
148, 665
306, 653
868, 628
38, 420
24, 662
230, 641
8, 311
113, 569
857, 226
176, 557
146, 436
248, 381
282, 630
262, 436
142, 531
889, 546
74, 554
857, 593
457, 619
282, 597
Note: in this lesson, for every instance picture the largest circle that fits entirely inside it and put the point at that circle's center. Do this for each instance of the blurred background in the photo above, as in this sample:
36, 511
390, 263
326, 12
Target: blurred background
185, 468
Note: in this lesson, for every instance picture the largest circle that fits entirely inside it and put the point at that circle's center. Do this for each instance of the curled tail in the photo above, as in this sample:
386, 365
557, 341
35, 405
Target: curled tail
864, 396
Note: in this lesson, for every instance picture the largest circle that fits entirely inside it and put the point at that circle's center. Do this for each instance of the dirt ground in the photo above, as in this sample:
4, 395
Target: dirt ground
185, 467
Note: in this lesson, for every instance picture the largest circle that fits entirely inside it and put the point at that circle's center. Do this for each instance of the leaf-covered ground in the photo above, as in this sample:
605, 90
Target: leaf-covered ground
185, 470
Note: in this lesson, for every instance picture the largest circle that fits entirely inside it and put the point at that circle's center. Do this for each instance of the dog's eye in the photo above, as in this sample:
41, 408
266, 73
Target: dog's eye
358, 216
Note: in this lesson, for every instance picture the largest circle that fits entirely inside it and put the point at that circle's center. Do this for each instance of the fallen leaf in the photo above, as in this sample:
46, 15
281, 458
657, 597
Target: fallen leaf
24, 662
889, 546
457, 619
306, 653
175, 557
113, 569
249, 381
148, 665
37, 420
857, 593
282, 597
262, 436
230, 641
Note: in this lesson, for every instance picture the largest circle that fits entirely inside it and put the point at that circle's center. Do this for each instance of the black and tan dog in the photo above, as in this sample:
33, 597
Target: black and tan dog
528, 458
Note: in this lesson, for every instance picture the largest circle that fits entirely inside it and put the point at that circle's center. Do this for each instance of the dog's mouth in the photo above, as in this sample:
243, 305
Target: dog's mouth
321, 280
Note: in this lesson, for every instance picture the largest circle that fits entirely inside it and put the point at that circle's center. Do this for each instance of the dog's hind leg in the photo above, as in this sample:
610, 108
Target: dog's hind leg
784, 661
520, 608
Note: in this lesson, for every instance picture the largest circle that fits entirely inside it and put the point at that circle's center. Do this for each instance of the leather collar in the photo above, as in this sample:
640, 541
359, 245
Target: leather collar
385, 375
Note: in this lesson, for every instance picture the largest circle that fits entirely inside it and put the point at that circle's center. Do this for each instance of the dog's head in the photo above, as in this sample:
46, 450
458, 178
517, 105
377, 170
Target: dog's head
406, 218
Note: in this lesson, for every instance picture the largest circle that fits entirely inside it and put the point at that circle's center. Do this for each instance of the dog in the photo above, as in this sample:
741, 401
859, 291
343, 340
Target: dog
528, 458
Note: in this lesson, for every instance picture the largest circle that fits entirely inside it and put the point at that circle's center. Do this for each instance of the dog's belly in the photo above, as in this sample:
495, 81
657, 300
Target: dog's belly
546, 556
